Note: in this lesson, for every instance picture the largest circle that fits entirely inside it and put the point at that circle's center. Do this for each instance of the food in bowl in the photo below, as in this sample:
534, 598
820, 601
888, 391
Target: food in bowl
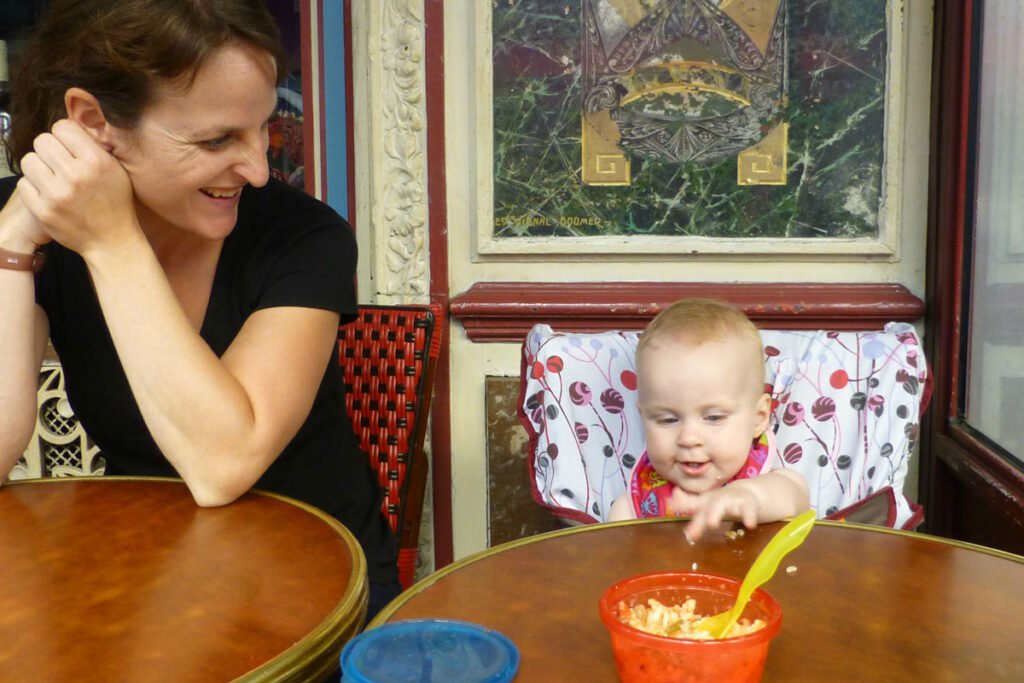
642, 657
677, 621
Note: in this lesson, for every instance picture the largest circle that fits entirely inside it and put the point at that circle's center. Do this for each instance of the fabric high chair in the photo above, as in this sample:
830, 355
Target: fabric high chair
388, 356
846, 410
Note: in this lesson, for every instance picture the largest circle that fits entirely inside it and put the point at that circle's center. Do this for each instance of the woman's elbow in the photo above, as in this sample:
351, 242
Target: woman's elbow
217, 492
14, 439
213, 499
222, 477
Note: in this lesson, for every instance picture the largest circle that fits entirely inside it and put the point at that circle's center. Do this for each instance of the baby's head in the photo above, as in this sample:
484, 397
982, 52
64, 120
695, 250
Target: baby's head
700, 369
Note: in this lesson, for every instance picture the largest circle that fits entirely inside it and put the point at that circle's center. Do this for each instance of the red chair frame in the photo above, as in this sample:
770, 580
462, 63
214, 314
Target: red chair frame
388, 356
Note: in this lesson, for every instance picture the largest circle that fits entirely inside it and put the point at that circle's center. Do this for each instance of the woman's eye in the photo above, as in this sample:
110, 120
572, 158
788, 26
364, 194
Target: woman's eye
215, 143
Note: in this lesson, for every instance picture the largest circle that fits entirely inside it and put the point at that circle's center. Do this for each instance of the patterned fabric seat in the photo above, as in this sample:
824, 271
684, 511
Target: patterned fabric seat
846, 410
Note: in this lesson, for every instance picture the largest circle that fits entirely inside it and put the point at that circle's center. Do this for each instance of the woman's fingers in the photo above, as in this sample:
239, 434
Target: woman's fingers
75, 186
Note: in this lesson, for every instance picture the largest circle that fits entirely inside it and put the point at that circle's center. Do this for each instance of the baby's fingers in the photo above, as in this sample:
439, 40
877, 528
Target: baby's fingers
694, 530
707, 517
749, 517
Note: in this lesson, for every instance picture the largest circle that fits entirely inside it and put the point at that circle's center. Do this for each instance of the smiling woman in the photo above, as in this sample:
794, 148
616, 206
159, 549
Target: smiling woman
193, 301
199, 144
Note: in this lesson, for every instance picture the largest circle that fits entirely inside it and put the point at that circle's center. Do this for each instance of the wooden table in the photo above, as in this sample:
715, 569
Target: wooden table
864, 604
126, 579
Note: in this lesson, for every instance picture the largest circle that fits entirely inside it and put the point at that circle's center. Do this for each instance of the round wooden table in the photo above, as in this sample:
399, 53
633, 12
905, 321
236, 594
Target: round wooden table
126, 579
863, 603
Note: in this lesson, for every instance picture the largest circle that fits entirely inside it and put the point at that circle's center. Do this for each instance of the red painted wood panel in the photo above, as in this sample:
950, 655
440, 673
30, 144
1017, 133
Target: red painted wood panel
505, 311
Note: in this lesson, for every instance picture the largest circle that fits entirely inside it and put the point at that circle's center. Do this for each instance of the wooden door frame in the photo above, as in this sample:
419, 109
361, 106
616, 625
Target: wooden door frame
969, 491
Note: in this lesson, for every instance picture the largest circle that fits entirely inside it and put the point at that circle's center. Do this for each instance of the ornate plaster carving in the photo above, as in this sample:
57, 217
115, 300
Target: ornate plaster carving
393, 94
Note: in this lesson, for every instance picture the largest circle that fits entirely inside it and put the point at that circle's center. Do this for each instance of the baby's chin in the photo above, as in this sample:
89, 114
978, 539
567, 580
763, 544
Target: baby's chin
696, 487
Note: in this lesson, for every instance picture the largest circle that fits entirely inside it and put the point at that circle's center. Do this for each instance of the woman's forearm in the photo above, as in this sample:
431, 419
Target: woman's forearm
219, 421
197, 412
22, 339
20, 358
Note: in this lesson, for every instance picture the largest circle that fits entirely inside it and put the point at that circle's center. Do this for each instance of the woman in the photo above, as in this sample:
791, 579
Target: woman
193, 302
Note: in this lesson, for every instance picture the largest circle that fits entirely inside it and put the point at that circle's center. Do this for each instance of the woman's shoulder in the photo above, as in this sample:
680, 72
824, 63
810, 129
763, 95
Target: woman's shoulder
278, 214
278, 200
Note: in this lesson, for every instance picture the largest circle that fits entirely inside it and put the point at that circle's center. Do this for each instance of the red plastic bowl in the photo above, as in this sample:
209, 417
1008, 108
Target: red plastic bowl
647, 658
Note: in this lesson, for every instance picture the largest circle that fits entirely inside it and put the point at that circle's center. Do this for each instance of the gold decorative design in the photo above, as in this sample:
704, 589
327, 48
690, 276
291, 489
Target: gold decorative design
755, 17
681, 81
603, 161
765, 163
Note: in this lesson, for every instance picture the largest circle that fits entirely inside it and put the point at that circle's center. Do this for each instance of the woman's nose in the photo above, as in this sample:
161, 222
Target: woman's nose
252, 164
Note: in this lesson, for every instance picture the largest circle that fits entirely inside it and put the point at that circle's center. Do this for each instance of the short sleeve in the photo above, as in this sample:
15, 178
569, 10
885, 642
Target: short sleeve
315, 269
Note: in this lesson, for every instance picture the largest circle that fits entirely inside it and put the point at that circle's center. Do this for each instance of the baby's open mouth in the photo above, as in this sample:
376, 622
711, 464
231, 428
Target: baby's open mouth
694, 469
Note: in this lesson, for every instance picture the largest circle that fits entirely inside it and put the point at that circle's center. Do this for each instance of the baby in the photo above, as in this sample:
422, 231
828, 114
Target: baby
700, 374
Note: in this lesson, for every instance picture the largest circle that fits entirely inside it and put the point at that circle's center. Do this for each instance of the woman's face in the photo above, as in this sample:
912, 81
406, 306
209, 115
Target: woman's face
193, 151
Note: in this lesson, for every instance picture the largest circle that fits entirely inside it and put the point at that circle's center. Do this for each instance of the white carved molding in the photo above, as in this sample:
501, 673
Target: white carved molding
390, 134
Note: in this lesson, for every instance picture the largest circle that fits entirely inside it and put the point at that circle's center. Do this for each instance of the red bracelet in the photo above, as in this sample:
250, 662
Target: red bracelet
12, 260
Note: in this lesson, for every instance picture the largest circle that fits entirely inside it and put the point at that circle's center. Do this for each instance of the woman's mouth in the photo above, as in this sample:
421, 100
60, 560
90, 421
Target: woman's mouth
221, 192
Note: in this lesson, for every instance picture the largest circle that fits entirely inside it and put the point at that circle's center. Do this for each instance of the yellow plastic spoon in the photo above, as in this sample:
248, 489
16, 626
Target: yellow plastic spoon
788, 538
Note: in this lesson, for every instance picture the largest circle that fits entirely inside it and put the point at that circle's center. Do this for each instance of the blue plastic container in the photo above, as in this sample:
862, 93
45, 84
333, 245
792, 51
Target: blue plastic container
429, 651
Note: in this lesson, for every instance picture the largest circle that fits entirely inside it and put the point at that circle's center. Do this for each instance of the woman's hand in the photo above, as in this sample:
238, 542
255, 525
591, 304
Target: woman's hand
77, 189
19, 230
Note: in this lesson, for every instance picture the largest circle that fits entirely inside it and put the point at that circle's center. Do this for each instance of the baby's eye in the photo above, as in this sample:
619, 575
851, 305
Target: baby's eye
715, 418
667, 420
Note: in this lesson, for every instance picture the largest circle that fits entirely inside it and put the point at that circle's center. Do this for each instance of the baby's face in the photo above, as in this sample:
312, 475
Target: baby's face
700, 411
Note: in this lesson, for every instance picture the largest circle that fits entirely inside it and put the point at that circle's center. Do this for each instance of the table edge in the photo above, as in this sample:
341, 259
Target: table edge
315, 649
323, 644
385, 614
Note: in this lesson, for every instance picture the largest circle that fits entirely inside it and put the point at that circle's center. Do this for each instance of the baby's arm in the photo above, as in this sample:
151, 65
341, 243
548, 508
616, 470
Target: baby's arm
765, 498
621, 509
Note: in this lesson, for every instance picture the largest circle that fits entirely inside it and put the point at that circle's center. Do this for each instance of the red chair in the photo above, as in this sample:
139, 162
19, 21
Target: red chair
388, 357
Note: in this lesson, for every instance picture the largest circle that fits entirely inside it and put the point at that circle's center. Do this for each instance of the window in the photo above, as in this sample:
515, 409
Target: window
994, 372
972, 451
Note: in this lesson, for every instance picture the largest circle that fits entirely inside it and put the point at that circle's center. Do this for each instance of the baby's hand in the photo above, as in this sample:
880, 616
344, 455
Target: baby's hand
709, 509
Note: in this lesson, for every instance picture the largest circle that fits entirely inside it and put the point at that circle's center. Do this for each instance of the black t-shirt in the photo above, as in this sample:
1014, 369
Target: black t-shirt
287, 249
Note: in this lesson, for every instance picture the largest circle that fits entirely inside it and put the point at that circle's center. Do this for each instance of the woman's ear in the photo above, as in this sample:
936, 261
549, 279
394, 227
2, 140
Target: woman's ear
85, 110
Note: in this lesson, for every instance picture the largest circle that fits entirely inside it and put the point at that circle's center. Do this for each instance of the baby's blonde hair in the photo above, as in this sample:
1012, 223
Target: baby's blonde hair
697, 321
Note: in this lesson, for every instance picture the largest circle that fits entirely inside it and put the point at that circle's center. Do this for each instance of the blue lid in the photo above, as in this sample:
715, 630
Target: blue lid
429, 651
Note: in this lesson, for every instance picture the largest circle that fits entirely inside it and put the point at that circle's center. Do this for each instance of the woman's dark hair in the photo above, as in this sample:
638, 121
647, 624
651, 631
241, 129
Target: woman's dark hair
120, 50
